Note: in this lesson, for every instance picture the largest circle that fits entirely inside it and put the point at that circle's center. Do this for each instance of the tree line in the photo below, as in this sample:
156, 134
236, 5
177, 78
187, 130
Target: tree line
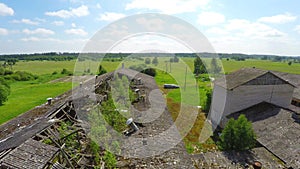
62, 56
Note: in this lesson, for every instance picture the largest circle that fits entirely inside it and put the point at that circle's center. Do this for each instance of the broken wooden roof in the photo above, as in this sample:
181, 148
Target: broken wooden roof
277, 129
30, 154
245, 75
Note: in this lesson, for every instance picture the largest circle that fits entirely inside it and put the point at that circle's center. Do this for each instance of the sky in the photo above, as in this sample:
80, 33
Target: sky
230, 26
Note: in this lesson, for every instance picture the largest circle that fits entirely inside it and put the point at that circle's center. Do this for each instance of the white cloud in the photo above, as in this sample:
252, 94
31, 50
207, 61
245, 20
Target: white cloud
297, 29
210, 18
26, 21
36, 39
3, 31
217, 31
5, 10
58, 23
245, 28
111, 16
244, 36
73, 25
168, 6
98, 6
278, 19
80, 32
151, 24
40, 19
40, 31
72, 12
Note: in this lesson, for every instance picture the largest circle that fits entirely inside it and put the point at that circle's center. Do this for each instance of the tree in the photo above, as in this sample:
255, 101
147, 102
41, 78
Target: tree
147, 61
176, 59
101, 70
215, 68
150, 71
4, 91
199, 67
227, 137
289, 63
208, 100
237, 135
155, 61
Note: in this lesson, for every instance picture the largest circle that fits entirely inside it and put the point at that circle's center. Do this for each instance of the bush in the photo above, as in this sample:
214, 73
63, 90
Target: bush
189, 148
147, 61
110, 159
65, 71
176, 59
101, 70
2, 70
138, 68
8, 72
23, 76
207, 105
4, 93
155, 61
150, 71
237, 135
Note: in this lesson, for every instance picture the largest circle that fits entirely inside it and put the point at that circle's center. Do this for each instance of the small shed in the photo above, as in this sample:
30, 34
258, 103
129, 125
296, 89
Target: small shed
30, 154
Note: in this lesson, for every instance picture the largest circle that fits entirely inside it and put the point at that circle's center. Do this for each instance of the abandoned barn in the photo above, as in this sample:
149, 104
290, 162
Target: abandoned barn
54, 136
266, 98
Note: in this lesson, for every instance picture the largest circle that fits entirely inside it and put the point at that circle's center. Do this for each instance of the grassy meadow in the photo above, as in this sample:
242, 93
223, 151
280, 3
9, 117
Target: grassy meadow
26, 95
233, 65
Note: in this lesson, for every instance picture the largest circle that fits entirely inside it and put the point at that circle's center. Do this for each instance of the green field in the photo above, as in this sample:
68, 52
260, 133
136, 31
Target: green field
232, 65
48, 67
27, 95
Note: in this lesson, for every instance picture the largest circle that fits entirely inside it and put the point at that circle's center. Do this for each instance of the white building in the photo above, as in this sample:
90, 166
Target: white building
245, 88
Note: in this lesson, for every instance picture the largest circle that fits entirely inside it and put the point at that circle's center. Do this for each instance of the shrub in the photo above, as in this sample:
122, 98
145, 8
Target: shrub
110, 159
4, 93
138, 68
147, 61
150, 71
67, 72
23, 76
237, 135
101, 70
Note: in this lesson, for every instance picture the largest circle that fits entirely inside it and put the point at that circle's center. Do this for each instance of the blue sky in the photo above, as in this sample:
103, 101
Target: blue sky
251, 27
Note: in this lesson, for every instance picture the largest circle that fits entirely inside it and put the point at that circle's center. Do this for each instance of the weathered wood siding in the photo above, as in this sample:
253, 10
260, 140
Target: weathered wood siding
218, 104
246, 96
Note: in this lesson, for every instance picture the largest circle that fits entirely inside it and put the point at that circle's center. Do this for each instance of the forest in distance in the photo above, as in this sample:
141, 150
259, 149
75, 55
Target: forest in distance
62, 56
